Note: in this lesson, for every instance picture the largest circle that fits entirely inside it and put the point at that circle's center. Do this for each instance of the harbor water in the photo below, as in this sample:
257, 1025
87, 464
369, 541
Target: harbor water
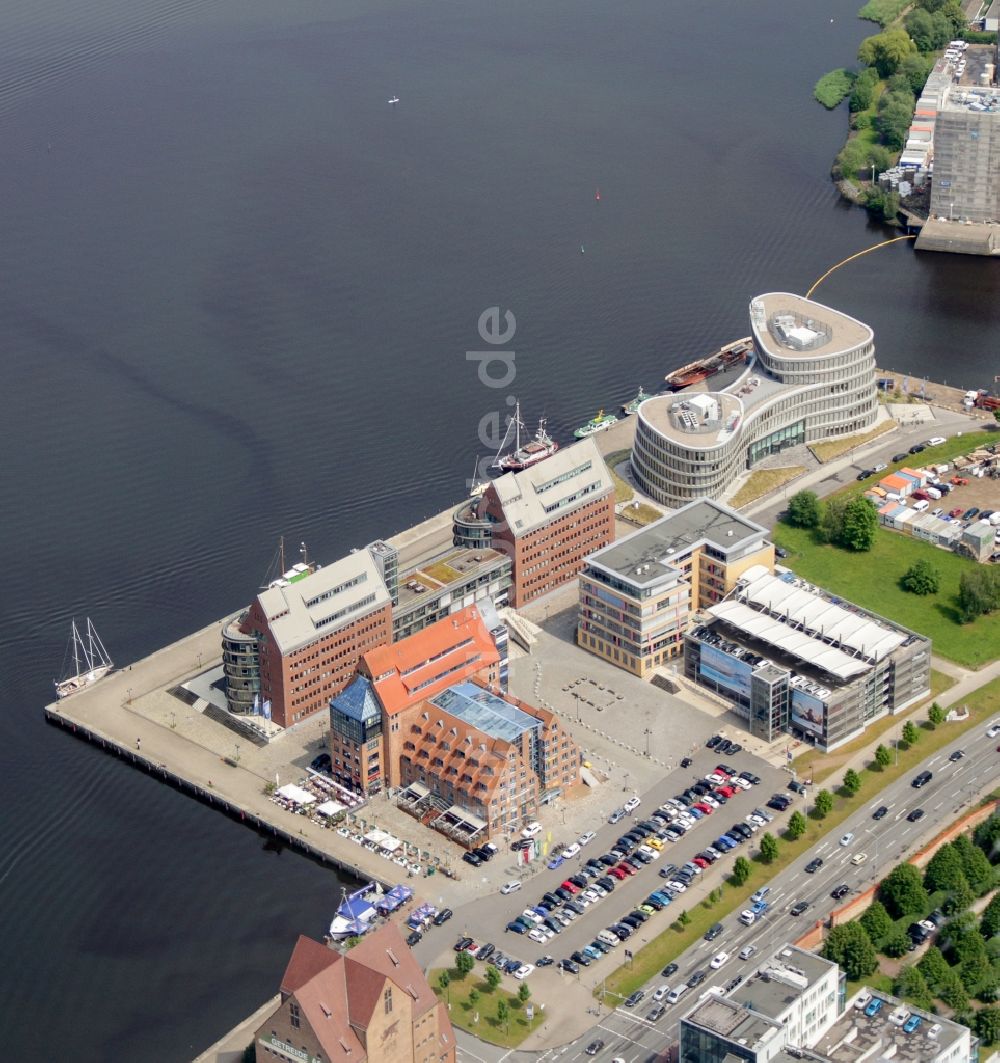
238, 295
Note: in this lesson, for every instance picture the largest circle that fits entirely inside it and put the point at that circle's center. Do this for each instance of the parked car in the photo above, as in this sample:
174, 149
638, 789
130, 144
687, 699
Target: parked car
472, 858
322, 762
443, 916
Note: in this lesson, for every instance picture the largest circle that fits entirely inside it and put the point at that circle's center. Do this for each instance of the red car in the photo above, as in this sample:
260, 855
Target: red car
618, 873
702, 807
627, 868
729, 791
567, 885
957, 512
723, 770
700, 861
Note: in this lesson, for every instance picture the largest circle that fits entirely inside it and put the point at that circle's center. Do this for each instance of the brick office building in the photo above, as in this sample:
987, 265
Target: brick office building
364, 717
547, 519
474, 763
308, 634
372, 1003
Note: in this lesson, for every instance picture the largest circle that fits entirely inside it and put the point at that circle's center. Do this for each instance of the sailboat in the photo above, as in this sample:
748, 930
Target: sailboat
535, 450
90, 661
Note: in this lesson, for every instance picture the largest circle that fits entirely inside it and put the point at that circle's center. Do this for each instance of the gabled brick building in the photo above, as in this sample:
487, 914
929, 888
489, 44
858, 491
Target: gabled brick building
372, 1003
547, 519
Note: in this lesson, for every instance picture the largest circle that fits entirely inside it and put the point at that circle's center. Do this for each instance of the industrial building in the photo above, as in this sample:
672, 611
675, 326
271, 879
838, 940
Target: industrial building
793, 659
637, 595
810, 376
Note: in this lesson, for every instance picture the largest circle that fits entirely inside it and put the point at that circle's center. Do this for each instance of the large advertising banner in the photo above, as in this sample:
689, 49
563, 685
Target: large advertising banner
724, 670
807, 712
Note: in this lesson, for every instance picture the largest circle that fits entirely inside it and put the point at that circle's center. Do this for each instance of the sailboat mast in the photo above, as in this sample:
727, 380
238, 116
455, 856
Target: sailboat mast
76, 648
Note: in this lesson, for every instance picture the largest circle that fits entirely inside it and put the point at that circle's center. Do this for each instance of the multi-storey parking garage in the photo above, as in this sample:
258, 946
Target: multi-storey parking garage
811, 376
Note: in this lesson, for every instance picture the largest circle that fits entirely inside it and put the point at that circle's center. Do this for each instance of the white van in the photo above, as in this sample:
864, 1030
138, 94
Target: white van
747, 918
608, 938
933, 492
921, 505
675, 994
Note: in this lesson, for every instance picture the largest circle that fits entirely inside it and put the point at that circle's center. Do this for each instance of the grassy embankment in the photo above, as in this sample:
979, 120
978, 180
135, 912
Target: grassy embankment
479, 1017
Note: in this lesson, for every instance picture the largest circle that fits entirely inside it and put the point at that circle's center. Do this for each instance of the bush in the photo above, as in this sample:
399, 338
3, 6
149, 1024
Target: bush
877, 923
834, 87
804, 510
911, 985
897, 944
921, 578
936, 715
863, 91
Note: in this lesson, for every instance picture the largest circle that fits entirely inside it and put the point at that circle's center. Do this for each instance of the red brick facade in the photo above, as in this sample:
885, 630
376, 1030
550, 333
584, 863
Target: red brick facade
553, 554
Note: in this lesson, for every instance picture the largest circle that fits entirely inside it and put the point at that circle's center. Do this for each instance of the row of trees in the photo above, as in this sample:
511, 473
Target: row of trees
849, 523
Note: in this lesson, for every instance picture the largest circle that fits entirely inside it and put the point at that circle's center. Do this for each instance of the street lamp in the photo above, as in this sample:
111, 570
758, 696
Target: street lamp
649, 734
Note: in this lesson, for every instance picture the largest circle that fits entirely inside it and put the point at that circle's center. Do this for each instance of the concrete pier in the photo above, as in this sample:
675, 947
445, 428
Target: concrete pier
133, 714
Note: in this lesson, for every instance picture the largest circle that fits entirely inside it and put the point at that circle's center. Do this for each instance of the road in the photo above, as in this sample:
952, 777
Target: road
626, 1033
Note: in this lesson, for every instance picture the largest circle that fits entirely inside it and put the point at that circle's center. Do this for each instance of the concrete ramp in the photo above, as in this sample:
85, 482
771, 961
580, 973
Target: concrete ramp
522, 631
588, 778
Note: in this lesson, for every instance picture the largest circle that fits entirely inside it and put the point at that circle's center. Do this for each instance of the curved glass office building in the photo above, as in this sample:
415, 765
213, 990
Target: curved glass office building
811, 377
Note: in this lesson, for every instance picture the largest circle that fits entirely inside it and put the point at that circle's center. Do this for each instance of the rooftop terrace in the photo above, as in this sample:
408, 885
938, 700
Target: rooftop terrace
790, 326
486, 711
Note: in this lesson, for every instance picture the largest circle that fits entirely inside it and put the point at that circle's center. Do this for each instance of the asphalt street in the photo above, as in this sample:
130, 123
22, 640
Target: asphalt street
626, 1032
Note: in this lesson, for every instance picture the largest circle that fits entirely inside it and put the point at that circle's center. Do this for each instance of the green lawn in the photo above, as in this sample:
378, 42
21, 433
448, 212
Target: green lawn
623, 491
479, 1018
872, 581
763, 482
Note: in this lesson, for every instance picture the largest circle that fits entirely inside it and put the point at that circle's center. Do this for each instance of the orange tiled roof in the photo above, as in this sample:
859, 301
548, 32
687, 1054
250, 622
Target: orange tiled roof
425, 663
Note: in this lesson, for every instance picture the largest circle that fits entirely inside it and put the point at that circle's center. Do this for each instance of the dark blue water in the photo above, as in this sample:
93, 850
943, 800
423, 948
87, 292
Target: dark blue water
236, 292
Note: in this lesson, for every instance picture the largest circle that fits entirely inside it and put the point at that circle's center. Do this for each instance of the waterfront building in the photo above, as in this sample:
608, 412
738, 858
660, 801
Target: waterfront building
364, 717
792, 658
637, 595
441, 585
811, 376
371, 1003
546, 519
789, 1002
475, 763
309, 634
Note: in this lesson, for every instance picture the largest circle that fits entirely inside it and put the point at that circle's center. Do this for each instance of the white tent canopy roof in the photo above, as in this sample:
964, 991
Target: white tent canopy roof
295, 794
817, 616
798, 644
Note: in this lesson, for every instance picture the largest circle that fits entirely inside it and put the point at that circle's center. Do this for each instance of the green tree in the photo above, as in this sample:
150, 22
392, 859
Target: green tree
974, 973
444, 980
492, 977
796, 825
804, 510
824, 803
936, 715
768, 848
684, 919
920, 26
831, 528
503, 1012
902, 892
464, 962
933, 966
911, 985
860, 521
883, 756
863, 92
473, 996
988, 1025
885, 51
877, 923
990, 923
959, 898
849, 946
741, 870
915, 68
978, 592
852, 782
921, 578
977, 869
882, 205
944, 870
896, 944
910, 733
524, 993
987, 837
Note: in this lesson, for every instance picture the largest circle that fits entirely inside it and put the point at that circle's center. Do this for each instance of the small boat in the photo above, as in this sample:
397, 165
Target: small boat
532, 452
633, 407
395, 99
598, 196
355, 914
90, 661
600, 423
